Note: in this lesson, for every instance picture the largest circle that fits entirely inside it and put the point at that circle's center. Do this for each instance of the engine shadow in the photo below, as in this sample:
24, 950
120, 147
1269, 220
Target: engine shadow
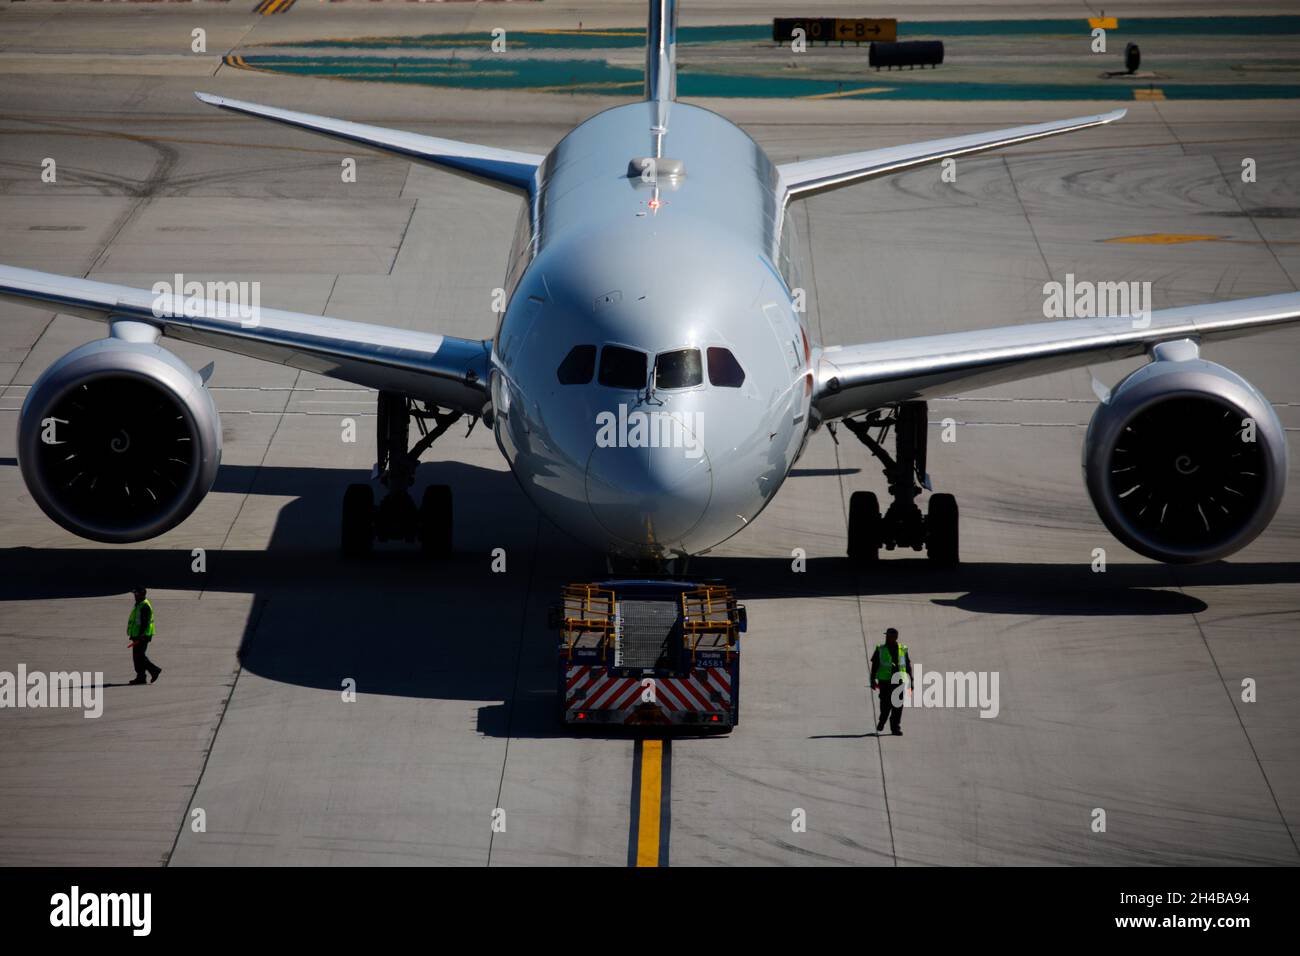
999, 587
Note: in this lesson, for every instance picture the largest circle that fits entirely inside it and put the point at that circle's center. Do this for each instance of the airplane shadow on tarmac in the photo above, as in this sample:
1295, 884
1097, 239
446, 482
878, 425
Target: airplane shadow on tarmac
455, 630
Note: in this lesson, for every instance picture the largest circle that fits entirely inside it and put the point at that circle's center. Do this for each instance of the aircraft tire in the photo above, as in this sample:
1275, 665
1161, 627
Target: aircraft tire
864, 527
436, 521
941, 538
358, 531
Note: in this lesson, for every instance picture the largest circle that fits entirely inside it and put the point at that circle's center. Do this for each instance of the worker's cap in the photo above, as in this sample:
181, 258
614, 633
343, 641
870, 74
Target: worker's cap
138, 591
891, 632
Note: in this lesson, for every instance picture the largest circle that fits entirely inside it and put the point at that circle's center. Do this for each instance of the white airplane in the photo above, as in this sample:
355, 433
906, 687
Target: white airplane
651, 381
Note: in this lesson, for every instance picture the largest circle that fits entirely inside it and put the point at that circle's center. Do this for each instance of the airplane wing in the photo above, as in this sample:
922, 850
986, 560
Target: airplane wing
857, 378
504, 168
812, 176
446, 371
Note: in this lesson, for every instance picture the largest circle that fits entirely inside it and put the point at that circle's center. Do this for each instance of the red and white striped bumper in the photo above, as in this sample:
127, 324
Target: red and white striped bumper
593, 694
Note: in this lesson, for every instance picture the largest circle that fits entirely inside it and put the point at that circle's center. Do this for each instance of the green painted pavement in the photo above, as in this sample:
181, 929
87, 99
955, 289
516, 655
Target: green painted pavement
634, 37
594, 75
597, 76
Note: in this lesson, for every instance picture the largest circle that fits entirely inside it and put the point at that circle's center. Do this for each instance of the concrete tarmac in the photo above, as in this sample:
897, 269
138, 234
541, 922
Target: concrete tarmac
1119, 691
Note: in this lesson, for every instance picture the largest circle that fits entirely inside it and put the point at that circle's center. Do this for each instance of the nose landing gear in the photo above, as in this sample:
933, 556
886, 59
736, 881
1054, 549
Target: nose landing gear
396, 518
902, 525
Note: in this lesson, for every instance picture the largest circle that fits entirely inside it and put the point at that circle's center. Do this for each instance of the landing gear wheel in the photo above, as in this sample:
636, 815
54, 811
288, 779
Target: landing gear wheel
358, 521
941, 531
864, 527
435, 521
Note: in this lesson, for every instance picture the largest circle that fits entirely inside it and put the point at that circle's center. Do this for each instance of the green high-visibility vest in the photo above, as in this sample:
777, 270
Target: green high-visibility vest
133, 625
885, 669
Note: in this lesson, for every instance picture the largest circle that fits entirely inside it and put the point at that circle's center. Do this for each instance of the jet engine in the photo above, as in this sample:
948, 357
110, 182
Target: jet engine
1186, 462
119, 440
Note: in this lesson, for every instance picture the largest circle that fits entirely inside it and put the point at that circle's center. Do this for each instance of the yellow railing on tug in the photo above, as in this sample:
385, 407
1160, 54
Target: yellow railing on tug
710, 612
588, 609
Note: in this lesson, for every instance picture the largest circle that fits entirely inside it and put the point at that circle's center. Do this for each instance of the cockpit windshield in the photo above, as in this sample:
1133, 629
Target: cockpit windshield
724, 370
680, 369
578, 366
622, 368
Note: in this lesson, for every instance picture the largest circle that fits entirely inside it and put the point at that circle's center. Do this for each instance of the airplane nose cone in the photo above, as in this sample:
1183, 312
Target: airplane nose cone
649, 496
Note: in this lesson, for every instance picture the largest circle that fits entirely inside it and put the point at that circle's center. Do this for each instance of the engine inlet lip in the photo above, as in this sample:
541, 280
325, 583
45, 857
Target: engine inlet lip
1241, 399
44, 397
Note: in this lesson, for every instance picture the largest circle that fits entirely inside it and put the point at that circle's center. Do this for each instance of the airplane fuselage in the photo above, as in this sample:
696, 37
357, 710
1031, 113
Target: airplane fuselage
651, 376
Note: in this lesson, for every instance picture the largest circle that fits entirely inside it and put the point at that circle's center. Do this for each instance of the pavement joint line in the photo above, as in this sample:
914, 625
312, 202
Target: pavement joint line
54, 315
259, 607
159, 174
880, 748
1196, 617
1268, 784
397, 249
514, 689
1025, 212
862, 631
270, 443
329, 297
401, 194
250, 629
1155, 107
1253, 224
634, 806
666, 803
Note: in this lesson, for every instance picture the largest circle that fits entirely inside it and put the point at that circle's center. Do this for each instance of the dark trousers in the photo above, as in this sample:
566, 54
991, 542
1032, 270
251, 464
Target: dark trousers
887, 709
141, 660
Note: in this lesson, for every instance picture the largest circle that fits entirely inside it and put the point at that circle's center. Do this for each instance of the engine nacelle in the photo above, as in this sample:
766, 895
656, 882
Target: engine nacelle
1187, 462
119, 440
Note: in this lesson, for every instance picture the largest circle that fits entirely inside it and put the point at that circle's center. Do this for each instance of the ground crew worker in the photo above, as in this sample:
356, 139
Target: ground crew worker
139, 630
891, 668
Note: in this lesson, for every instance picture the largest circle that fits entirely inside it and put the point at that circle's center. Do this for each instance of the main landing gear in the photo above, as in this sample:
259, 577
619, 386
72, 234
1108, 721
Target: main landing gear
396, 518
903, 525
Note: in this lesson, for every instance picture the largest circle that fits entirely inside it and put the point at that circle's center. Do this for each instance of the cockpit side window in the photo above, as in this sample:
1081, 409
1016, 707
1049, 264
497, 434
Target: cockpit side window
622, 368
578, 366
680, 369
724, 370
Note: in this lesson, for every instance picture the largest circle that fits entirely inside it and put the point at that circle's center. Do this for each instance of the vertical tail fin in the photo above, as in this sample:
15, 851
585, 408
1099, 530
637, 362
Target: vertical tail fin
661, 52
